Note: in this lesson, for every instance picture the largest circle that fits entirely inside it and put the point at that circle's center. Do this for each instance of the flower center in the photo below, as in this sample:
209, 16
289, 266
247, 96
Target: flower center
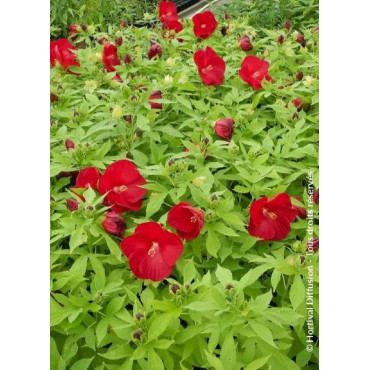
256, 74
120, 189
153, 249
203, 26
193, 220
207, 69
271, 215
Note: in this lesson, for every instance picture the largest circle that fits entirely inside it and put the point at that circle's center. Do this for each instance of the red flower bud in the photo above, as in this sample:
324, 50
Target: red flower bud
287, 25
72, 204
114, 224
118, 41
300, 39
316, 196
315, 244
137, 334
299, 76
301, 210
224, 128
280, 39
84, 27
298, 104
128, 118
227, 16
127, 59
53, 97
139, 316
295, 115
174, 288
123, 24
102, 40
229, 287
154, 50
224, 30
153, 96
69, 144
245, 43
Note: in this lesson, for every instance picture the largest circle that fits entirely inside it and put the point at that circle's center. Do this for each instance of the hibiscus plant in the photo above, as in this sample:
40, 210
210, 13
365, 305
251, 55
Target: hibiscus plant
184, 195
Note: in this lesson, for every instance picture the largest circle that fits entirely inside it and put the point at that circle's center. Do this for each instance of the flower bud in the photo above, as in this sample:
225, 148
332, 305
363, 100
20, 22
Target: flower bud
102, 40
118, 41
224, 30
72, 204
316, 196
69, 144
224, 128
137, 334
114, 224
117, 112
139, 316
205, 140
229, 287
84, 27
299, 76
245, 43
174, 288
227, 16
154, 50
168, 80
128, 119
170, 62
315, 245
295, 115
214, 198
153, 96
54, 97
287, 25
280, 39
127, 59
300, 39
171, 162
123, 24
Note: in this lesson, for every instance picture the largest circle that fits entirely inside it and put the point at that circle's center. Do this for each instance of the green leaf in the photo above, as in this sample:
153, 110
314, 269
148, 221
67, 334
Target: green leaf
212, 243
214, 361
158, 326
297, 292
154, 361
263, 332
223, 275
154, 204
257, 364
82, 364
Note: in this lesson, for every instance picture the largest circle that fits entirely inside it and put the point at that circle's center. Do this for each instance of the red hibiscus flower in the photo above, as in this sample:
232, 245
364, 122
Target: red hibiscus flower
204, 24
153, 96
167, 11
302, 213
173, 25
271, 219
154, 50
254, 70
88, 176
245, 43
114, 224
121, 181
60, 51
211, 67
110, 57
224, 128
186, 220
152, 251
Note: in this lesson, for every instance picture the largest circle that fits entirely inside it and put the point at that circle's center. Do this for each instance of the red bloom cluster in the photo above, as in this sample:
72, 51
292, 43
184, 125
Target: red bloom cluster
61, 52
204, 24
270, 219
254, 70
211, 67
152, 251
121, 183
110, 57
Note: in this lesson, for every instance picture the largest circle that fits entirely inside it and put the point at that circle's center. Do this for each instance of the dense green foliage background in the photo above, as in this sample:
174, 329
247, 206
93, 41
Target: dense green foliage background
241, 302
